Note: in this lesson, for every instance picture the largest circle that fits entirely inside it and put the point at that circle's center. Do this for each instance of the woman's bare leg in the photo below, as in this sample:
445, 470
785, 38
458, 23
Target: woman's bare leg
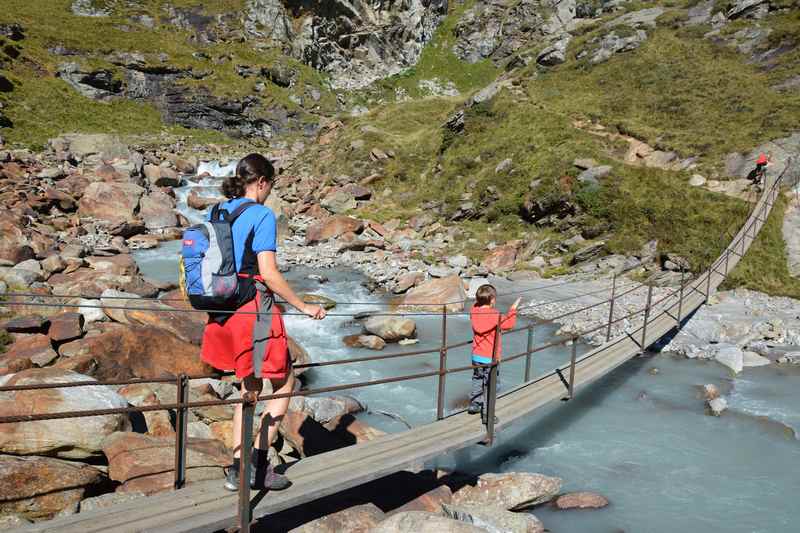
250, 384
273, 414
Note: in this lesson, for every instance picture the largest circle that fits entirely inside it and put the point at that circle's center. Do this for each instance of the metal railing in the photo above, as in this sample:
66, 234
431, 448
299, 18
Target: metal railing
182, 381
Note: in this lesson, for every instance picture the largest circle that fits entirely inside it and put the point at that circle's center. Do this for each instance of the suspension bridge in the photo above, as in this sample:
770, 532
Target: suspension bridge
206, 506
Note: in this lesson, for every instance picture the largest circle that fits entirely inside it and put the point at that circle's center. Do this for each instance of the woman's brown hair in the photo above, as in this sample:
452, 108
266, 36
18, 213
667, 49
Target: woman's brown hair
484, 295
250, 169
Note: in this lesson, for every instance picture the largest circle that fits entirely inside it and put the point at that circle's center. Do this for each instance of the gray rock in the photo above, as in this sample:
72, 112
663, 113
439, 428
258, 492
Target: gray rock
391, 328
637, 19
556, 53
11, 521
199, 430
493, 519
88, 8
792, 358
504, 166
752, 359
105, 501
92, 312
700, 13
584, 164
613, 43
790, 84
588, 252
440, 271
498, 30
422, 522
458, 261
753, 9
697, 180
717, 406
592, 175
731, 357
97, 84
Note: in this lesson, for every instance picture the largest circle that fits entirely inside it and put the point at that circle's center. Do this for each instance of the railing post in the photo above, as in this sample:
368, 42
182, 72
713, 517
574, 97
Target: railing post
245, 513
680, 296
611, 306
491, 393
572, 359
181, 430
529, 353
708, 283
727, 256
643, 344
442, 367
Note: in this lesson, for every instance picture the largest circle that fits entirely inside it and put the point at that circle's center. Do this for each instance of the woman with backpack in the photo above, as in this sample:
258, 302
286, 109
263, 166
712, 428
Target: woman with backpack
252, 341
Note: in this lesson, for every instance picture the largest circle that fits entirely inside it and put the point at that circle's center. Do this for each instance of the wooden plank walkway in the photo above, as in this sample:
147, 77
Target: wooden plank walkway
206, 506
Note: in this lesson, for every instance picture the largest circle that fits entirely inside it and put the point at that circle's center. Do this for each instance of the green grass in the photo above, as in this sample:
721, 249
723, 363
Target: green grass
764, 267
41, 105
675, 93
5, 340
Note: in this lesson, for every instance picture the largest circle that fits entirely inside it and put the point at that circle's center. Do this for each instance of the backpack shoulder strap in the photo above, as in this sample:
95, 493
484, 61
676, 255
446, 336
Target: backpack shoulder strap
215, 215
239, 210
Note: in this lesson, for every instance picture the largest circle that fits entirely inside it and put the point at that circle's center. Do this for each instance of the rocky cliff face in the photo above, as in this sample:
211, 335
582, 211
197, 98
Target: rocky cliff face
497, 30
356, 42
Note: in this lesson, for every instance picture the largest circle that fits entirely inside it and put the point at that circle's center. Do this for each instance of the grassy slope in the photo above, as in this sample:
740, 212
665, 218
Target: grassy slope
42, 106
678, 92
764, 267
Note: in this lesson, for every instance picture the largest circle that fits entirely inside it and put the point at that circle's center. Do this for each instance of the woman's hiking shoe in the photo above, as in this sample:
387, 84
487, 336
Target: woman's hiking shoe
263, 476
474, 409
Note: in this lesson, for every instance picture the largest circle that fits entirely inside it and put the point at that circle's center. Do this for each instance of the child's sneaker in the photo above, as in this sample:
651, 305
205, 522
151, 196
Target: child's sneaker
232, 476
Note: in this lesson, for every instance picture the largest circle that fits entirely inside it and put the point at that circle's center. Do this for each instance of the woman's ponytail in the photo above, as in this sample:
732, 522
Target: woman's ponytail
250, 169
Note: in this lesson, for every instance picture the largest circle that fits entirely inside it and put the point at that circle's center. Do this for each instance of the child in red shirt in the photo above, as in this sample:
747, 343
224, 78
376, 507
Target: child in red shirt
485, 318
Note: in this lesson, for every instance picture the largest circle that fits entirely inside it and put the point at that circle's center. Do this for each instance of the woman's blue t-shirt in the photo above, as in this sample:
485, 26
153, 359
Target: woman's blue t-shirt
257, 218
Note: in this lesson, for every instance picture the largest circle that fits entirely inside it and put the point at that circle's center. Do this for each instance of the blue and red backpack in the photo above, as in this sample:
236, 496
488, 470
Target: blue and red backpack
208, 265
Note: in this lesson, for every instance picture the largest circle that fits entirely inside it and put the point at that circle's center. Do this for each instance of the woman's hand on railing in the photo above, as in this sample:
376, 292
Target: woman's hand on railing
317, 312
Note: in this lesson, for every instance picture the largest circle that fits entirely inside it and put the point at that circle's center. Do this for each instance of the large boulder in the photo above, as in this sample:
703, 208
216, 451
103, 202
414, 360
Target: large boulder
26, 352
494, 519
14, 246
163, 316
143, 463
157, 209
500, 259
332, 227
422, 522
66, 438
83, 145
391, 328
512, 491
66, 326
112, 202
42, 487
581, 500
119, 351
435, 294
323, 409
356, 519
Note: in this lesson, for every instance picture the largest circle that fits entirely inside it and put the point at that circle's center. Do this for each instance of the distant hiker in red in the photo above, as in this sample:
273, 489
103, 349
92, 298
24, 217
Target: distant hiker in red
253, 342
484, 318
757, 174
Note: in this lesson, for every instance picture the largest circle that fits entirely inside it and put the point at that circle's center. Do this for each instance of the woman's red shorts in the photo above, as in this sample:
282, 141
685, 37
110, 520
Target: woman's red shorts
229, 346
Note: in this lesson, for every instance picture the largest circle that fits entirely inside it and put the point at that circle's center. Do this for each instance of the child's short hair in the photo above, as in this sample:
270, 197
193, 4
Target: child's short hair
484, 295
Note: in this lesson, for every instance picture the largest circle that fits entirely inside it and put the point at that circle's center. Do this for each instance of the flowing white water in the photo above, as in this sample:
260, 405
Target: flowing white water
640, 439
